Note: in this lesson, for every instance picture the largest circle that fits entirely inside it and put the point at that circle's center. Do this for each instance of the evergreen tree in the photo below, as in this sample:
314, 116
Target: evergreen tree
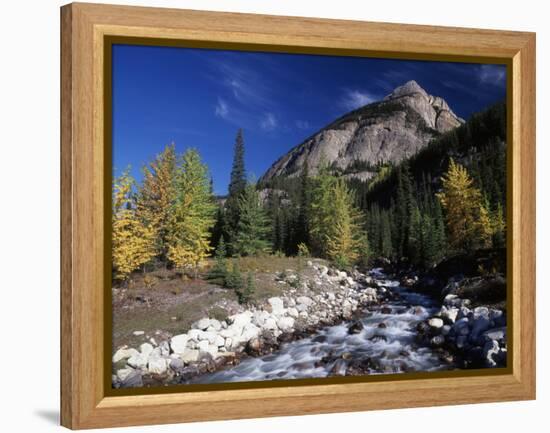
237, 185
440, 238
429, 248
219, 270
386, 249
499, 227
375, 229
193, 216
252, 234
234, 279
405, 205
245, 294
132, 239
156, 197
219, 227
302, 223
415, 237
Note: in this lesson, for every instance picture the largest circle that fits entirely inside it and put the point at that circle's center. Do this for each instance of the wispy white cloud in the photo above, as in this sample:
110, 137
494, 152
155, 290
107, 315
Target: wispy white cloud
246, 86
492, 74
353, 99
245, 97
221, 109
302, 124
268, 122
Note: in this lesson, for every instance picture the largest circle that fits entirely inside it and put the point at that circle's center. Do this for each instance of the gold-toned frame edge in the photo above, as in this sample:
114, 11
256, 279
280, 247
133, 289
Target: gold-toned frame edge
83, 402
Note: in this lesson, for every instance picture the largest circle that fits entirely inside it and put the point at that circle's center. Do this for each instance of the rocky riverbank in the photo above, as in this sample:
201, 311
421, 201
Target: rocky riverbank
475, 334
328, 323
329, 297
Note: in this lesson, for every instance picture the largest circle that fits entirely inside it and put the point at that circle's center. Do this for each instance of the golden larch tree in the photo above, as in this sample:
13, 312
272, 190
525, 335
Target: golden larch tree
344, 235
157, 197
132, 239
466, 216
193, 215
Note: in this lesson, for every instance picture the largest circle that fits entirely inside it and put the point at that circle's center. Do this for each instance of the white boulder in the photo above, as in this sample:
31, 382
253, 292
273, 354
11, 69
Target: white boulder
285, 324
435, 322
250, 331
195, 334
305, 300
178, 343
241, 319
146, 349
138, 361
215, 324
157, 365
190, 355
277, 306
219, 341
203, 345
124, 373
270, 324
450, 313
293, 312
210, 336
202, 324
124, 353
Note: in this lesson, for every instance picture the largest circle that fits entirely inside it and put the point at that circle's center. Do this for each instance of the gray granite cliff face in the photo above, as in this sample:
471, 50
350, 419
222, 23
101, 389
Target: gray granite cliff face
385, 131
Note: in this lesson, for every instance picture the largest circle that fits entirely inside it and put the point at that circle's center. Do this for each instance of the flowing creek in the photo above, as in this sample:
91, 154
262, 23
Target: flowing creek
387, 341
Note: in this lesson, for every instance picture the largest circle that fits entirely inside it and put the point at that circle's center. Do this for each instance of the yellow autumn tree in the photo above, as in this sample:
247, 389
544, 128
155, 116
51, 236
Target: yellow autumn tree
484, 225
193, 214
157, 196
466, 214
498, 227
132, 240
344, 234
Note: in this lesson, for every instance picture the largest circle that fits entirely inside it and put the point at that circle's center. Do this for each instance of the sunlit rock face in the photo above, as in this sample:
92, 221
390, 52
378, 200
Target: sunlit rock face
385, 131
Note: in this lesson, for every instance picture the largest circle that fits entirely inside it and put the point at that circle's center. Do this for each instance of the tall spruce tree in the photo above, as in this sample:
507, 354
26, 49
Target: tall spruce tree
302, 222
405, 205
385, 249
440, 237
237, 185
218, 273
218, 229
252, 234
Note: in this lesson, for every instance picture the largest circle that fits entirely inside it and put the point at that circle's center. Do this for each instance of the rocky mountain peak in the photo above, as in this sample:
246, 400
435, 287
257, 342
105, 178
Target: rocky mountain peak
407, 89
385, 131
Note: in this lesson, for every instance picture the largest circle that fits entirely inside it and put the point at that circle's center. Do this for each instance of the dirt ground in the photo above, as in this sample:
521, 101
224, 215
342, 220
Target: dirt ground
163, 302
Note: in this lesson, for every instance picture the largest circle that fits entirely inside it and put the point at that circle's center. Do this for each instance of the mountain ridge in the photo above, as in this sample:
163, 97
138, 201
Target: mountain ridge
384, 131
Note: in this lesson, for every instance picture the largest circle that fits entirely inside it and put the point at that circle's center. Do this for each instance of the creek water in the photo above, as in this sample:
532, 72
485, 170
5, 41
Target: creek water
387, 341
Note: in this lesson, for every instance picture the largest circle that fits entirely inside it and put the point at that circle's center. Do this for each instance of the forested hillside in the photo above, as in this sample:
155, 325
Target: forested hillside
425, 207
449, 197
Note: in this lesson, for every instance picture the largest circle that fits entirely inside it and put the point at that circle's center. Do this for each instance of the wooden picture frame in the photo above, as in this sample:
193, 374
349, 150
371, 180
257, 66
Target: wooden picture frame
85, 28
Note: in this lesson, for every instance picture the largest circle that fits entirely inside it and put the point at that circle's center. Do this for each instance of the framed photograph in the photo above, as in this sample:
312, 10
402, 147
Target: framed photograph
267, 216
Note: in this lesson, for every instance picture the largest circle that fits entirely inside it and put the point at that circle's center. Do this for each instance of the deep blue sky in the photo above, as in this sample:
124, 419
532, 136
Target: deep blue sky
199, 98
